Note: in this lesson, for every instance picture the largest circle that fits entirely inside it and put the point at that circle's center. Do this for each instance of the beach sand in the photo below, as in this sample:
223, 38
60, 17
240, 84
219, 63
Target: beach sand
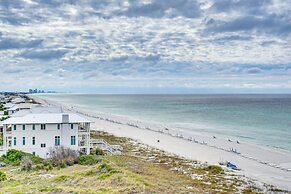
262, 164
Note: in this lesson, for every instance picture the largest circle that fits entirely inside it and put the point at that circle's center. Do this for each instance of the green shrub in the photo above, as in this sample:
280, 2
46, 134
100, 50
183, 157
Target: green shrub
4, 118
35, 159
48, 165
38, 167
106, 171
14, 157
61, 178
2, 107
214, 169
88, 160
97, 151
103, 171
3, 176
104, 168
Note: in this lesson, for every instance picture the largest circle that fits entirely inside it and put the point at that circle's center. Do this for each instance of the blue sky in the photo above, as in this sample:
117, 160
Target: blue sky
146, 46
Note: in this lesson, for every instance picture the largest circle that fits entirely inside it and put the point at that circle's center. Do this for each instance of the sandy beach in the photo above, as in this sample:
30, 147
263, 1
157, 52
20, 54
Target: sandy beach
263, 164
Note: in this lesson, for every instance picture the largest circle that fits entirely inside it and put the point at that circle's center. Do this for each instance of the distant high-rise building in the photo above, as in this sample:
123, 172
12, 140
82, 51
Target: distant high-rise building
33, 91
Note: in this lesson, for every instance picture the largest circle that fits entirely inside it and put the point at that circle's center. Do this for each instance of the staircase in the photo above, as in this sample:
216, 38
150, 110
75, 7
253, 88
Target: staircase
105, 146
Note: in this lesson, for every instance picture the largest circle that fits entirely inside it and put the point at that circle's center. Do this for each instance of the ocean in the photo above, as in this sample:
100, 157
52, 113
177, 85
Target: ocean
260, 119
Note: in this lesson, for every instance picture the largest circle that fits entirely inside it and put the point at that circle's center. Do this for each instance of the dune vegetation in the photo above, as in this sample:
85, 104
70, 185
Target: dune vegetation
140, 169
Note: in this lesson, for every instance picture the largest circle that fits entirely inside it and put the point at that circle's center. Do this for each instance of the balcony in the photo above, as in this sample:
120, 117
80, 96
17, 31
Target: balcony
82, 129
82, 143
8, 128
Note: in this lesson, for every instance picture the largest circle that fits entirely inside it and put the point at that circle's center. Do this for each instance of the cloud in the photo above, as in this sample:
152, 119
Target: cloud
13, 71
272, 24
254, 70
161, 8
181, 43
247, 5
9, 43
233, 38
43, 54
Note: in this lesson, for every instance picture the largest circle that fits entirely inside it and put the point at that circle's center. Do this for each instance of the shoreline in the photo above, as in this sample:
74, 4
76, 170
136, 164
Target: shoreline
264, 164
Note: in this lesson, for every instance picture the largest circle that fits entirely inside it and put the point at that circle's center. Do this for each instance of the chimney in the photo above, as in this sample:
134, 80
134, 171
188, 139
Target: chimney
65, 118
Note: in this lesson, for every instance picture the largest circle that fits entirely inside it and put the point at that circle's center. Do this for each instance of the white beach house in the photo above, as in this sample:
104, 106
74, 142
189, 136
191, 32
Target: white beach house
36, 133
8, 105
2, 97
18, 107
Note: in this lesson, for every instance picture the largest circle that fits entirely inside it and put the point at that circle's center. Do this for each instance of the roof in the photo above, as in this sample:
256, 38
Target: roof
8, 105
41, 109
22, 106
18, 100
45, 118
20, 113
37, 110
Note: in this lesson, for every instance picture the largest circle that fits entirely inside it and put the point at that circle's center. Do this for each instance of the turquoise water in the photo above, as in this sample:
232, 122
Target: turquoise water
262, 119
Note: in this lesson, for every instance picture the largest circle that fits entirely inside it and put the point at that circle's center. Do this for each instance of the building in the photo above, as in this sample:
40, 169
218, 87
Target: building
8, 105
18, 100
18, 107
39, 131
2, 97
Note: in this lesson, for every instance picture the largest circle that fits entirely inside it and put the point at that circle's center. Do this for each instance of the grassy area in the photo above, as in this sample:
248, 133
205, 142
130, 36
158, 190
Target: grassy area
140, 169
2, 106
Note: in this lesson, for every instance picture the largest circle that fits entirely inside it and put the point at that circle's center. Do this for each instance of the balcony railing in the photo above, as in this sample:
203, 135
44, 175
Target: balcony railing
8, 131
82, 129
82, 143
105, 146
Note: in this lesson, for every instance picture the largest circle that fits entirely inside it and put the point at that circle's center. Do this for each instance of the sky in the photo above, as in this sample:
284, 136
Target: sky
146, 46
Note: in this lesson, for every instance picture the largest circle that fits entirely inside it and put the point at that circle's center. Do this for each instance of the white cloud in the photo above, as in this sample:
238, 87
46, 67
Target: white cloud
116, 42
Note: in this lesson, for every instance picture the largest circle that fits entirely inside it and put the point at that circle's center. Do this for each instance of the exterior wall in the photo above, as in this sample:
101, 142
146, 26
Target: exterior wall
46, 136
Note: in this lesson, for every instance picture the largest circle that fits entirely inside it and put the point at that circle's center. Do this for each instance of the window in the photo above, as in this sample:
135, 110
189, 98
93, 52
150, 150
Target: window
42, 145
57, 140
72, 126
23, 127
33, 140
59, 126
23, 140
33, 127
14, 127
42, 126
73, 140
14, 141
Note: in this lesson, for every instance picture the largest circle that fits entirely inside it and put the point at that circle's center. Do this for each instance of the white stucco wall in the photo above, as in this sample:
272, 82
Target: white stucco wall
46, 136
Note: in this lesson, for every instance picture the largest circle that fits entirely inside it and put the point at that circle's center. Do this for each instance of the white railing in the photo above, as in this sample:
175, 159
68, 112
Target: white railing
105, 146
82, 129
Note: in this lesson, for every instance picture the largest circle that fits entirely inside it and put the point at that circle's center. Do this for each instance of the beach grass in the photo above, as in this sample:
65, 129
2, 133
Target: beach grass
140, 169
